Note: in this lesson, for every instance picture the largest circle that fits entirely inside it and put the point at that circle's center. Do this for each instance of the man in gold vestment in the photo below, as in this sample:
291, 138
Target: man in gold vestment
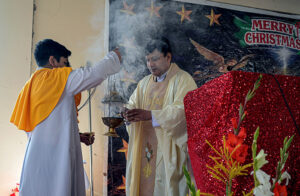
157, 131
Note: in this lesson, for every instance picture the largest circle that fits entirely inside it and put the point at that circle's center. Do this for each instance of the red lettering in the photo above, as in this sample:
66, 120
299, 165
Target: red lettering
262, 37
256, 24
274, 26
278, 39
298, 44
267, 38
292, 42
255, 38
271, 38
248, 38
285, 41
266, 25
297, 28
290, 29
282, 27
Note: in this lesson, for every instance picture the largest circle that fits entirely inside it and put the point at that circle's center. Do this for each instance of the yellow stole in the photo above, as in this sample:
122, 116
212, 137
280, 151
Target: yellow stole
150, 101
39, 97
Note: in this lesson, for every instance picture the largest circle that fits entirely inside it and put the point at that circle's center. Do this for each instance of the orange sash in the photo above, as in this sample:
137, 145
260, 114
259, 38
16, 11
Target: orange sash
39, 97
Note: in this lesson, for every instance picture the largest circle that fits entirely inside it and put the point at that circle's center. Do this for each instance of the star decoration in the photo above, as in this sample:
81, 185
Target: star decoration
124, 148
122, 186
184, 14
153, 10
128, 9
213, 18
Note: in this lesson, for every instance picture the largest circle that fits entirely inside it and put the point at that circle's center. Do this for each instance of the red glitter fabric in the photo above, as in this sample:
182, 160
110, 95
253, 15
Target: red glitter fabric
210, 108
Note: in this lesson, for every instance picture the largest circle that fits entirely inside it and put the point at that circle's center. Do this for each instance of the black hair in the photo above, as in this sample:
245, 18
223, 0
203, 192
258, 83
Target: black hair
46, 48
161, 44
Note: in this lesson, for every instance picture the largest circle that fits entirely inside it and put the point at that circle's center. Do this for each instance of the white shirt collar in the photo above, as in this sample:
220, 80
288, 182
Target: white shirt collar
161, 78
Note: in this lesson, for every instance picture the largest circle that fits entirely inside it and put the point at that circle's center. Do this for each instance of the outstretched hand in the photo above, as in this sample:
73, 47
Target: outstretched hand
116, 50
136, 115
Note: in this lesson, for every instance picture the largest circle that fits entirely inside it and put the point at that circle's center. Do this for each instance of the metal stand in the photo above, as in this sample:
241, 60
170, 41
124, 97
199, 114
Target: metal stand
91, 146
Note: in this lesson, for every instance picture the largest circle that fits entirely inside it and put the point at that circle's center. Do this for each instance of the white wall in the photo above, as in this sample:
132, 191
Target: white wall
15, 57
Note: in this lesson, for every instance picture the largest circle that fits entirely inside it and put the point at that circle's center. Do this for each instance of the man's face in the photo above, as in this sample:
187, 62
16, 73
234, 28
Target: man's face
157, 63
63, 62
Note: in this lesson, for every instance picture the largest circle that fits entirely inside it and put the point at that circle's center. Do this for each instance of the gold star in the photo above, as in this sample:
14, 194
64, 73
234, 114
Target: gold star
128, 9
153, 9
122, 186
213, 18
124, 148
184, 14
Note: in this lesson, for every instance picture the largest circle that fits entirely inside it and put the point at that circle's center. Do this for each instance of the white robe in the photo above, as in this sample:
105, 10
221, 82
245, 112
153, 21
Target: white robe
53, 164
171, 136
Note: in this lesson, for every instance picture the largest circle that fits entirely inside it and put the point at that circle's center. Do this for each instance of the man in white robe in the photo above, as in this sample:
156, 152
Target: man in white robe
157, 131
53, 164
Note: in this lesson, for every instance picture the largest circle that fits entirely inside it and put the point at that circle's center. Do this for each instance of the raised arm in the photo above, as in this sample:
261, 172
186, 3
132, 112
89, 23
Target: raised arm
90, 76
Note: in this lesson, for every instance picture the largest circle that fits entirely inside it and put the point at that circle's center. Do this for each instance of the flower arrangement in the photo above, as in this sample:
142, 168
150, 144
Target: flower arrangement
262, 183
228, 162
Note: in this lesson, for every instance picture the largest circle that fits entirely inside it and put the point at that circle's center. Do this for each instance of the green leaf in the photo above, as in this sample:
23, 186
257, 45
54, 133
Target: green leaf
284, 141
248, 95
240, 110
290, 141
257, 83
256, 134
251, 96
243, 117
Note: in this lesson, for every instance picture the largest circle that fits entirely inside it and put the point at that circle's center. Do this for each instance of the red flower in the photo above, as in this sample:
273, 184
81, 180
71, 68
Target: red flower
242, 134
240, 153
234, 123
280, 190
234, 140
